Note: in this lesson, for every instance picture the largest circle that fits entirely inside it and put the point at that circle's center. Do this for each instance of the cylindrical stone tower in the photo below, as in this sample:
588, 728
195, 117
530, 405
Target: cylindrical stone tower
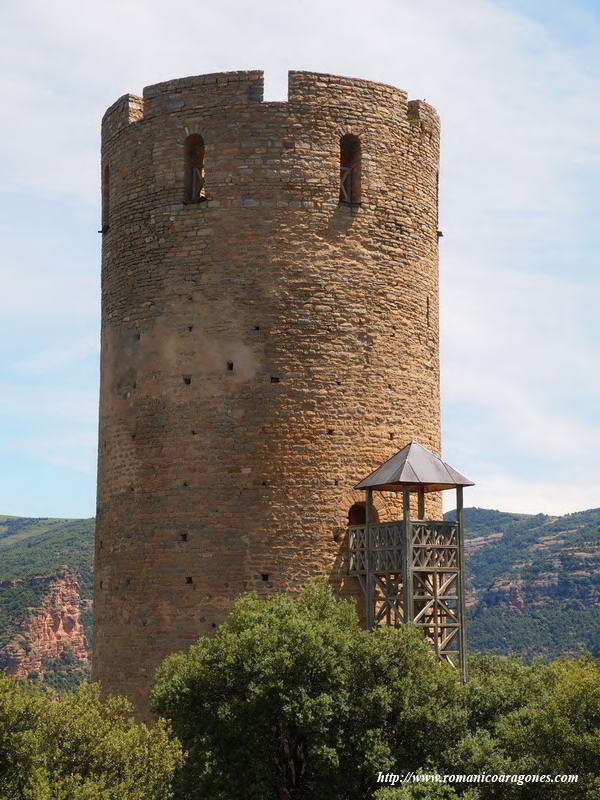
269, 336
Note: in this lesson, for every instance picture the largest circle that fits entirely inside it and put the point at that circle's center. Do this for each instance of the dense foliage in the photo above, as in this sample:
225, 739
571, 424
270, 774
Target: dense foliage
291, 699
79, 748
520, 720
552, 566
63, 673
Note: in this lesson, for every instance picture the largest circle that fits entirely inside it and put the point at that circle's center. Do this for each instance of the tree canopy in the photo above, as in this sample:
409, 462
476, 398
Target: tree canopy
76, 747
292, 699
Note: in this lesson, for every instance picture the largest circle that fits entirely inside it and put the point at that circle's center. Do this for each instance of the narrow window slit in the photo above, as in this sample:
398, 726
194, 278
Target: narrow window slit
350, 169
194, 169
105, 199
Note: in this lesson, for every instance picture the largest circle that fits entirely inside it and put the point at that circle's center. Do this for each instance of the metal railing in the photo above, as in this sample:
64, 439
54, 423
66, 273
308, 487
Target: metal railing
434, 545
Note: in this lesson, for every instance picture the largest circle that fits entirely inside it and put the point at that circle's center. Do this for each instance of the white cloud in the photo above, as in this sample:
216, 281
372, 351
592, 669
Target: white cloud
503, 491
30, 293
54, 358
73, 451
520, 163
55, 404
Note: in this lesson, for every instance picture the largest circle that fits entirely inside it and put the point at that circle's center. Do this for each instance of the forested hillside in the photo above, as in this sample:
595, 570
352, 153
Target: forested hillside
533, 588
534, 582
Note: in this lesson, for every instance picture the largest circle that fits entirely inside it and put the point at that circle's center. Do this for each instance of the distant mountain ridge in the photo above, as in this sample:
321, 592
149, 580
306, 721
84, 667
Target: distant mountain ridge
533, 588
533, 582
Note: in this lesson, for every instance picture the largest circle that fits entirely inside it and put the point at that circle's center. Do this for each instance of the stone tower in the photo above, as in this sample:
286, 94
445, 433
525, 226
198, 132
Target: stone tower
269, 336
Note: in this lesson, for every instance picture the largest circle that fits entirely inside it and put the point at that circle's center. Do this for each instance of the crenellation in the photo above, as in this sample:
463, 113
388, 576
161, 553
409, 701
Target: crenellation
204, 92
127, 109
315, 87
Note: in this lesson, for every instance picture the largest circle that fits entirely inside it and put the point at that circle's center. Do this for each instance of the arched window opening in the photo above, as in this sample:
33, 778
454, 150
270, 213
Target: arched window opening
350, 169
105, 198
194, 169
357, 514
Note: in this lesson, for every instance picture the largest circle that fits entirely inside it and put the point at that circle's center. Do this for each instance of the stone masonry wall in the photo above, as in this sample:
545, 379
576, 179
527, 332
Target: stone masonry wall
261, 352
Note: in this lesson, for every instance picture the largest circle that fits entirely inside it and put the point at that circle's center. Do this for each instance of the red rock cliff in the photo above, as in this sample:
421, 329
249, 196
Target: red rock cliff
49, 629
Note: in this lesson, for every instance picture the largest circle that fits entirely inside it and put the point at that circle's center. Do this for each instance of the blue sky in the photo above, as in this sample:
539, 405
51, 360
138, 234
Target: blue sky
517, 87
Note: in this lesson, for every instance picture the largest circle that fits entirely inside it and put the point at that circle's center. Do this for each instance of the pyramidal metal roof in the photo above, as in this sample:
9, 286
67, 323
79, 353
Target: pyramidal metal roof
414, 467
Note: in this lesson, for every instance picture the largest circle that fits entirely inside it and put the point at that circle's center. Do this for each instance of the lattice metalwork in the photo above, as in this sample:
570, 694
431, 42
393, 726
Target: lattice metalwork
436, 585
383, 543
435, 544
357, 550
377, 558
388, 599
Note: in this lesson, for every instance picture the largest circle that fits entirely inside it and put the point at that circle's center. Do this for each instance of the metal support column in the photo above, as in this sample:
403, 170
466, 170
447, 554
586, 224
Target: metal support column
421, 512
408, 610
461, 582
369, 577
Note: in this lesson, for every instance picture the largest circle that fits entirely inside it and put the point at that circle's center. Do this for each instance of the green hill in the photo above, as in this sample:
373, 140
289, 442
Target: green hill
533, 581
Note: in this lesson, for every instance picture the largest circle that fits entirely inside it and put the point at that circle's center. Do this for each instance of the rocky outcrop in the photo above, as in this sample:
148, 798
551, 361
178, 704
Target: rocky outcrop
477, 542
49, 630
508, 593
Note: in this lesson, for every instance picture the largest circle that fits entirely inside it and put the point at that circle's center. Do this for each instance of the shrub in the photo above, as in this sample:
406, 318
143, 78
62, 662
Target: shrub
77, 747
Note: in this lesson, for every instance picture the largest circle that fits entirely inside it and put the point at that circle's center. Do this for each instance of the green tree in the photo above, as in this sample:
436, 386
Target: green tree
291, 699
77, 747
426, 791
543, 719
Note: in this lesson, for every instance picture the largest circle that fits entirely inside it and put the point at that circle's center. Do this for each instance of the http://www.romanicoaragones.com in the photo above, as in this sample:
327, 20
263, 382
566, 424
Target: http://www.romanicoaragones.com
393, 778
